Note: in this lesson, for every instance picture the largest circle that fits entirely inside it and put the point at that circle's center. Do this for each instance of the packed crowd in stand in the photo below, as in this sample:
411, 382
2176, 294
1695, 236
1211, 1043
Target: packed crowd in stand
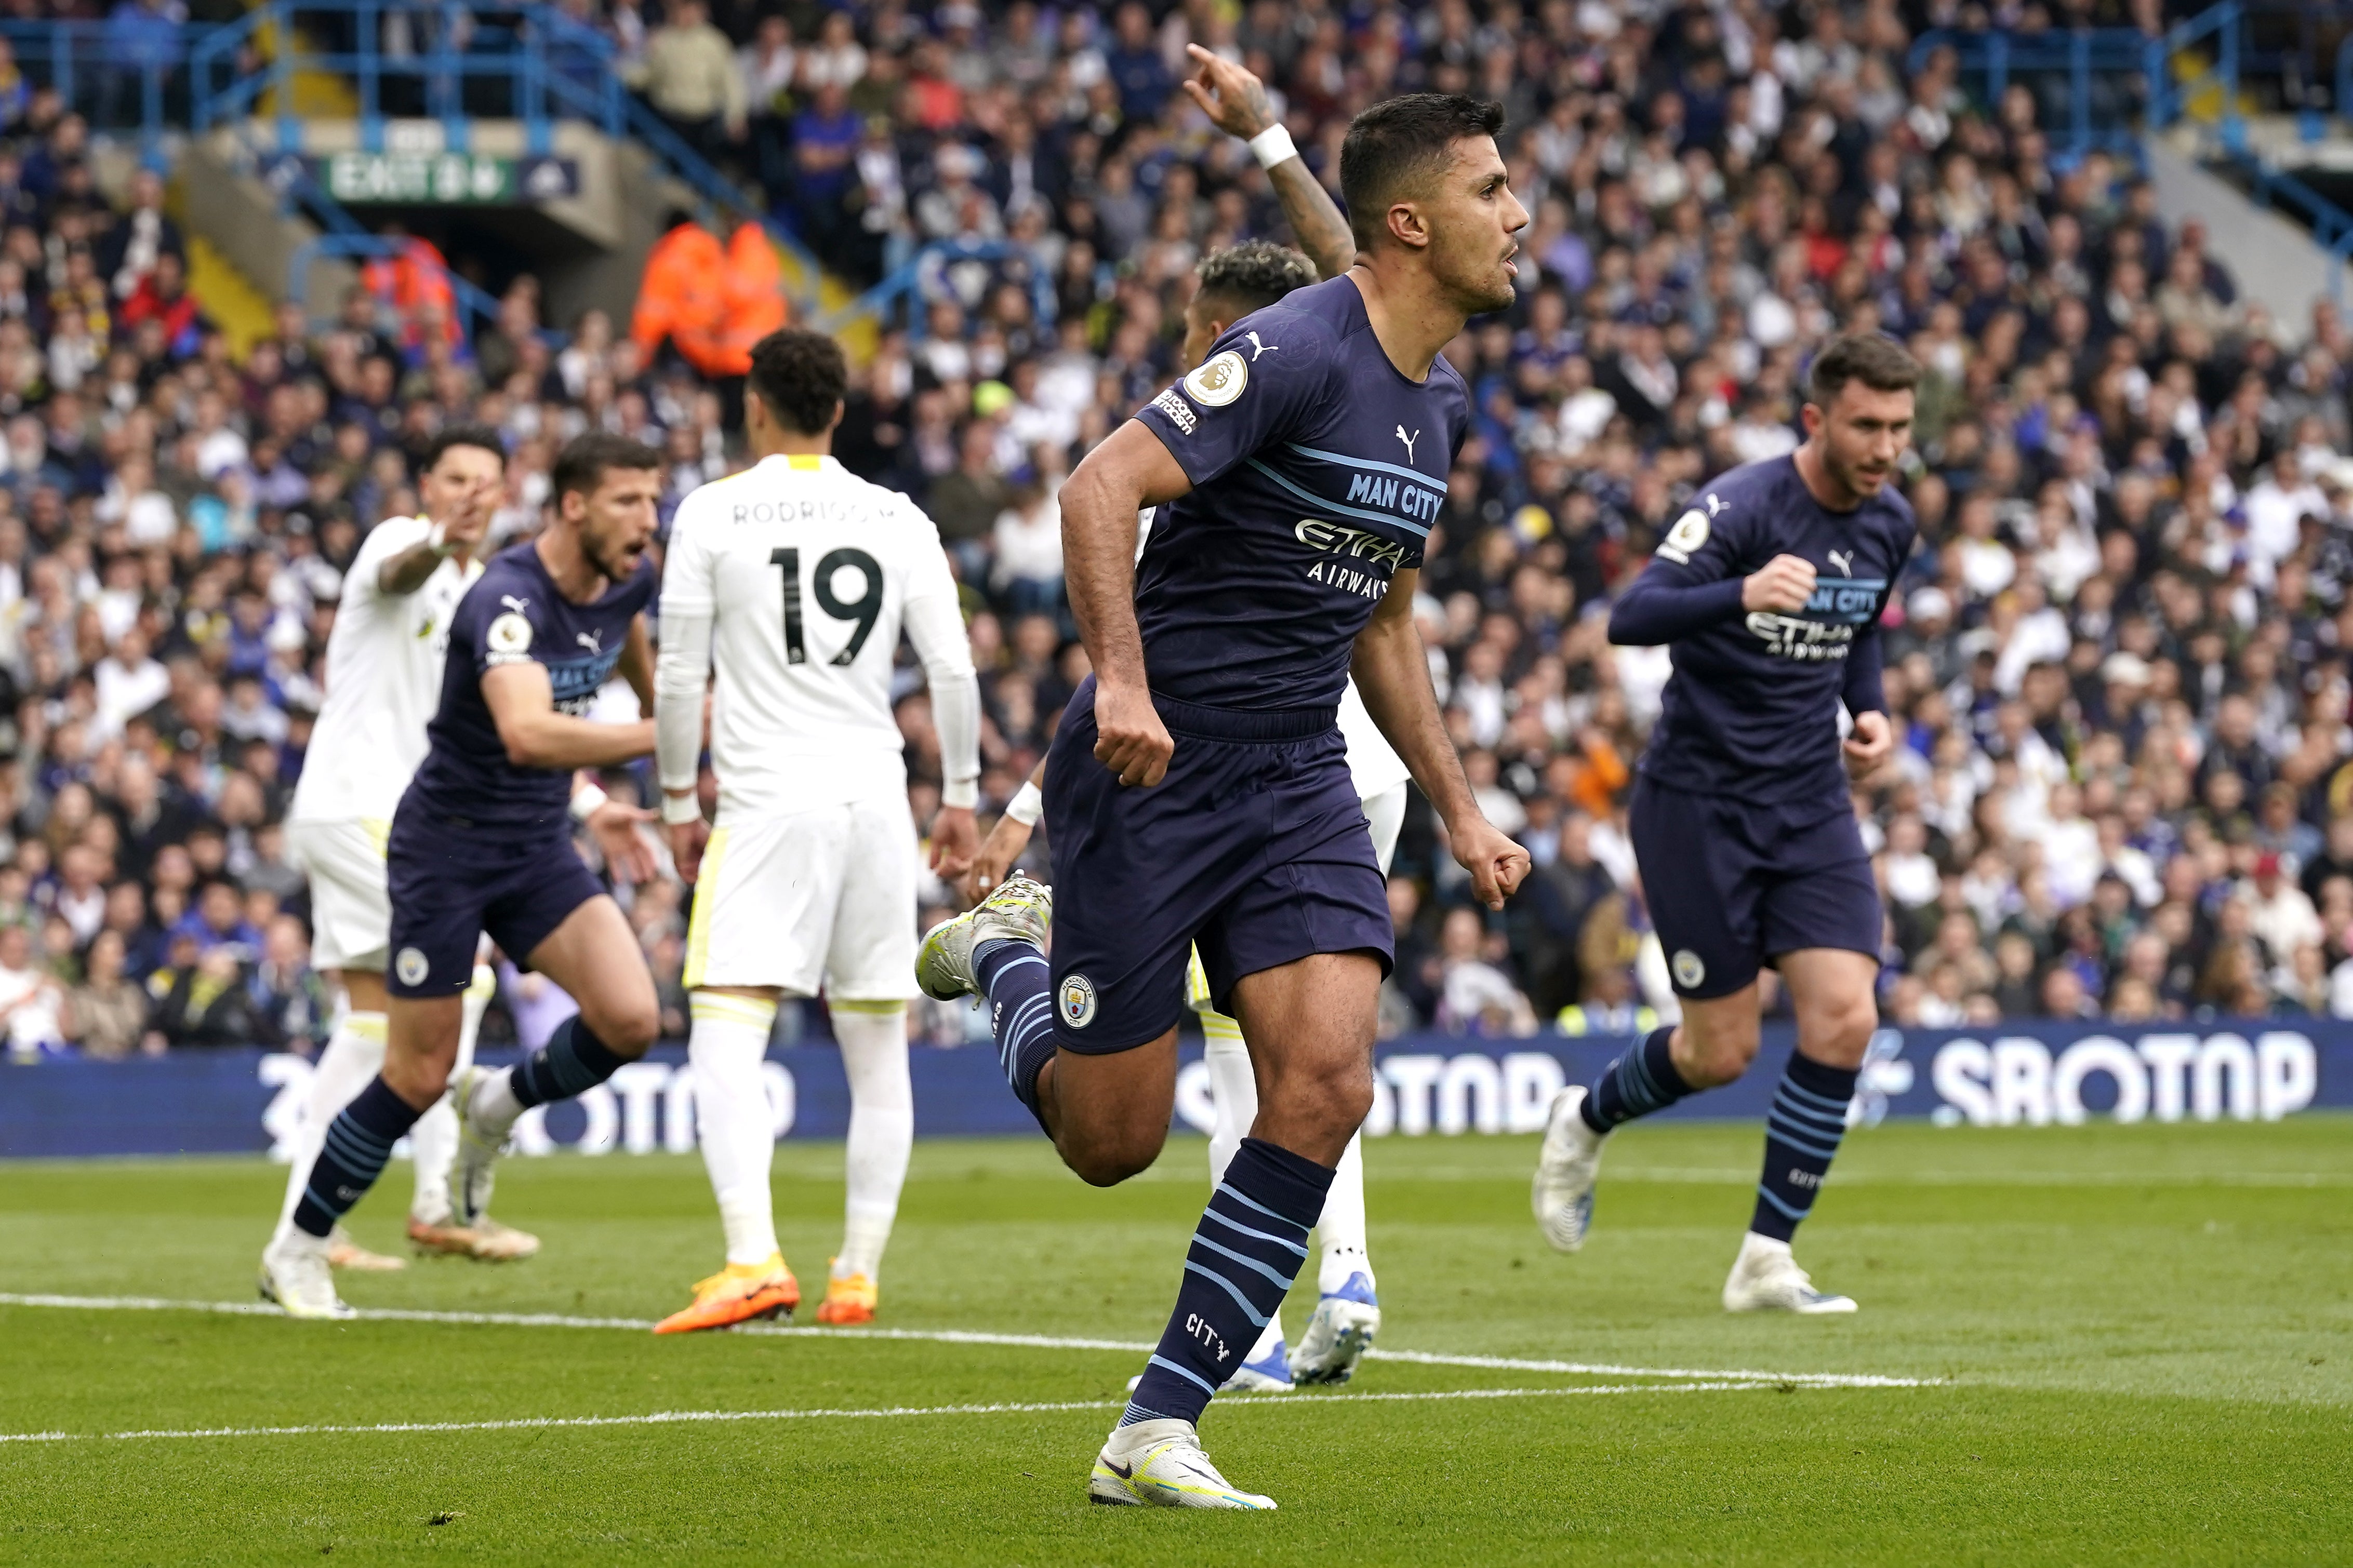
2118, 661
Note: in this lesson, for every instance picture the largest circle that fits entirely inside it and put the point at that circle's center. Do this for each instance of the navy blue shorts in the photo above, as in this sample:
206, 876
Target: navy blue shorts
1254, 845
1733, 886
450, 880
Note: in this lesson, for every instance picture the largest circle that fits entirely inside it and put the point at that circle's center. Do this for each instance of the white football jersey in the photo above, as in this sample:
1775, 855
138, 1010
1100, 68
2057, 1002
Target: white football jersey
383, 681
1373, 764
806, 571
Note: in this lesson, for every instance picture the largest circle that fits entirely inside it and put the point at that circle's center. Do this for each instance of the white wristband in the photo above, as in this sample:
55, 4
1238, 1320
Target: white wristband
1274, 145
678, 808
585, 803
1026, 805
439, 542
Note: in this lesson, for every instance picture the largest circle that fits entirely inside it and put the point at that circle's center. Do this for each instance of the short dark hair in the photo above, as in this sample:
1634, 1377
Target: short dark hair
1253, 274
1393, 148
1879, 362
580, 467
800, 375
449, 435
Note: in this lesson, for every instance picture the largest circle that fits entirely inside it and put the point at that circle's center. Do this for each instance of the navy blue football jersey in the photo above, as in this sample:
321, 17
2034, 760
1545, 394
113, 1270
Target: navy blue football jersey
1317, 470
1751, 712
513, 614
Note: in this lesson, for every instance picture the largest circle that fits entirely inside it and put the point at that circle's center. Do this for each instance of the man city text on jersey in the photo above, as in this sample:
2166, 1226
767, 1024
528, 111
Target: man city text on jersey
1751, 710
1318, 470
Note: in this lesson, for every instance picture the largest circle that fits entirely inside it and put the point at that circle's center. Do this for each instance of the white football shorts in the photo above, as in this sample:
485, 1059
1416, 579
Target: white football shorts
824, 897
350, 914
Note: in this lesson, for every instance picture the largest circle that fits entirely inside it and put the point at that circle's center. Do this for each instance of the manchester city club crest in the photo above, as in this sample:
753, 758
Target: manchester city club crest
1077, 1001
1689, 970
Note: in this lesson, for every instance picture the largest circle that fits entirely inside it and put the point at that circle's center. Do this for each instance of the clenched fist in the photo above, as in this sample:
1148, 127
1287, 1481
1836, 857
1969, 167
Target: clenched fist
1784, 584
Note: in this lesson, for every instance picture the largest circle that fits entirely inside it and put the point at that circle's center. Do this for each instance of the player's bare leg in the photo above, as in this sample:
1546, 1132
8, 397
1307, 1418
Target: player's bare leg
594, 957
726, 1043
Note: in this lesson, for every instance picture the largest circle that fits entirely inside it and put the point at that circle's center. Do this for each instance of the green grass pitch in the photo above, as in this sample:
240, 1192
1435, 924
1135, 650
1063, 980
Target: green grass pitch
2131, 1344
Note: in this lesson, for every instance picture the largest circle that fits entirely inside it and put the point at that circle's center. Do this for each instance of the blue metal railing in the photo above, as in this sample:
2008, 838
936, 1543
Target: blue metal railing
118, 74
918, 276
531, 63
2101, 70
472, 299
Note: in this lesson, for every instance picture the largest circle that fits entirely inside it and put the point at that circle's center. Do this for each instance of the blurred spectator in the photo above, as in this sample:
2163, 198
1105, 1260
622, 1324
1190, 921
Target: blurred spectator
106, 1014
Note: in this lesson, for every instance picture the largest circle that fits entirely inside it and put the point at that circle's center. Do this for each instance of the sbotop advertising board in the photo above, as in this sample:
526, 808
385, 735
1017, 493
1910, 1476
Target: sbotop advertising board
2030, 1075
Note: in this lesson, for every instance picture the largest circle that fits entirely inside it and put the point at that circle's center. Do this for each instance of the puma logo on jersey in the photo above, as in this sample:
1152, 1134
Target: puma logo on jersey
1258, 348
1714, 505
512, 603
1409, 441
1843, 560
592, 641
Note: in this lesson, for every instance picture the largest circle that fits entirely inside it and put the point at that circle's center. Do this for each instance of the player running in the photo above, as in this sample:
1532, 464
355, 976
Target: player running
1233, 283
1198, 789
383, 671
1769, 590
482, 841
795, 577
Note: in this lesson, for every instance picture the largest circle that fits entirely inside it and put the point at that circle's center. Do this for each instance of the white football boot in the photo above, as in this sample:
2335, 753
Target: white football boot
1020, 910
477, 1154
1766, 1278
1567, 1168
1160, 1464
1338, 1333
295, 1274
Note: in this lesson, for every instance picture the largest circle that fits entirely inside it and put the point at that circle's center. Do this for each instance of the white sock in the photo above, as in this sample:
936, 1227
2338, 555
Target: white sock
1233, 1090
353, 1056
1342, 1230
881, 1127
433, 1142
494, 1107
725, 1046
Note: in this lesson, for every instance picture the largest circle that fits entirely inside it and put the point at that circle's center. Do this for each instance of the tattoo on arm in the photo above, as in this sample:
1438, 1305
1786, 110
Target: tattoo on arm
1315, 217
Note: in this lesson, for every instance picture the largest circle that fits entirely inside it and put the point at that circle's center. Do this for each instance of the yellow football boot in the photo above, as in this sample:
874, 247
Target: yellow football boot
849, 1300
738, 1294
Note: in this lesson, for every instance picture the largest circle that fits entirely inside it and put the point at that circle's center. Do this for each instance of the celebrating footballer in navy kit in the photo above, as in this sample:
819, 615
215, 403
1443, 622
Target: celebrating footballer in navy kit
483, 843
1197, 791
1768, 591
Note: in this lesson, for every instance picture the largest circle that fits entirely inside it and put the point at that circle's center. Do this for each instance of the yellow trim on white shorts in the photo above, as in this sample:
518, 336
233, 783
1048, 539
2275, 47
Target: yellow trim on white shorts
706, 897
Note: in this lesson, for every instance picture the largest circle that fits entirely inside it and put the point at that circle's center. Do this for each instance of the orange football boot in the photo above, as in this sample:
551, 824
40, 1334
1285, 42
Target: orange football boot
849, 1299
738, 1294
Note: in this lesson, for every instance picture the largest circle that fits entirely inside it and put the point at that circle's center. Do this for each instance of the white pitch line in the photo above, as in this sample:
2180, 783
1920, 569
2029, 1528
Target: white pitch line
1737, 1176
678, 1417
960, 1337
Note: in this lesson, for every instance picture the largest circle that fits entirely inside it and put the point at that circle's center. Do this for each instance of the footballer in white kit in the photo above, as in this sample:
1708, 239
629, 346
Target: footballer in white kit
384, 677
794, 579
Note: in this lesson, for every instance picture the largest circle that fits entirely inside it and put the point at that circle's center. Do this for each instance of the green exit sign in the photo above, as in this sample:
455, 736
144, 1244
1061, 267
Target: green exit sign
444, 179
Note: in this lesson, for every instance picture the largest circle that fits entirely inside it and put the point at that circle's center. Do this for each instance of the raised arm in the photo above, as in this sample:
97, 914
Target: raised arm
1131, 470
1392, 673
1236, 102
464, 528
523, 705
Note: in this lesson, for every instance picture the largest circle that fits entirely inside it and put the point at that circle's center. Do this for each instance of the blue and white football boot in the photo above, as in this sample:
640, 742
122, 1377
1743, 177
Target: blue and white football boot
1338, 1335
